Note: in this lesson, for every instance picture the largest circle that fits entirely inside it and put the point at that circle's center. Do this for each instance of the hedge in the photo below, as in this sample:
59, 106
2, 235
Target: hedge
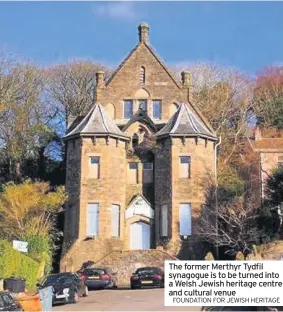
14, 263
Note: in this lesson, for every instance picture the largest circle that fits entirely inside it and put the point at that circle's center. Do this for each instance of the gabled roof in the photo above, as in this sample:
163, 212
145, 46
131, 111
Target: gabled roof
98, 123
142, 117
140, 206
151, 50
186, 123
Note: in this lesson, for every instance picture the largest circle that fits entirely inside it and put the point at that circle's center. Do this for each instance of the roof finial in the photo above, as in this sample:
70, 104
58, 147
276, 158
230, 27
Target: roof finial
143, 32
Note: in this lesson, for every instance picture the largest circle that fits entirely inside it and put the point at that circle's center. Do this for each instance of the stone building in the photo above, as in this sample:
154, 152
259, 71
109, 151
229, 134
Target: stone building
268, 145
137, 163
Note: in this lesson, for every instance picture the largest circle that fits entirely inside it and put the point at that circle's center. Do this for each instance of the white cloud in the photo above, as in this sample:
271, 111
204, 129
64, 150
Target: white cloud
117, 10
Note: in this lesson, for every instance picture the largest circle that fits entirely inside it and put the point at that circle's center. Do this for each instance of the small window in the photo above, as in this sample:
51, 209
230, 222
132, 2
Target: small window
280, 162
115, 220
185, 167
128, 109
92, 219
147, 172
143, 104
147, 166
133, 165
135, 140
185, 219
142, 75
94, 167
133, 173
156, 109
164, 221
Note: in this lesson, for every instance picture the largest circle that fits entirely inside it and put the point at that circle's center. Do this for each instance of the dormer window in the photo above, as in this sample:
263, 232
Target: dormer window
142, 75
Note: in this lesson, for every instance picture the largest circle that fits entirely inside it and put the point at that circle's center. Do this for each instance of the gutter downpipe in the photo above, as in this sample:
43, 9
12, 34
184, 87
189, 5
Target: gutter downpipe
216, 186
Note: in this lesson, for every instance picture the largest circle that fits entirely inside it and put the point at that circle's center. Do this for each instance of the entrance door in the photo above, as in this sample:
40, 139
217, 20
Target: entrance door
140, 235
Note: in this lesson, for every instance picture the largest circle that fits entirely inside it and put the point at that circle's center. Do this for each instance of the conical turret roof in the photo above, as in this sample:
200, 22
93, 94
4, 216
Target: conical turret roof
186, 123
98, 123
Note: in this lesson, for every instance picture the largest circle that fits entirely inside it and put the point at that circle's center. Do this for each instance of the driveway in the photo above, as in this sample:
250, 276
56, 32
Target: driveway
123, 300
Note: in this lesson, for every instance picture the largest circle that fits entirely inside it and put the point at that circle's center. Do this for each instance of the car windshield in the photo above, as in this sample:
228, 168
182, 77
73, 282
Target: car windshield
147, 271
96, 272
54, 279
5, 300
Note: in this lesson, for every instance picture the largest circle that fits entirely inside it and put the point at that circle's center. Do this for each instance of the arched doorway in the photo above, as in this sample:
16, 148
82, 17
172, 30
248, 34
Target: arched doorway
140, 235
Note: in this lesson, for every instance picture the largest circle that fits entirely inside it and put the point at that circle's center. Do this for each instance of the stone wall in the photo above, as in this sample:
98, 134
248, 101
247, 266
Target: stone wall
73, 188
112, 181
125, 263
126, 84
173, 190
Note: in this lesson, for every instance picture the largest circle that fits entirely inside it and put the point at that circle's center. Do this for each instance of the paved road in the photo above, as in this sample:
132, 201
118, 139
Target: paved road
123, 300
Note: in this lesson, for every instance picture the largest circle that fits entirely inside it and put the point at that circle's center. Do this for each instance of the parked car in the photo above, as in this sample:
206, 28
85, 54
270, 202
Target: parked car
99, 278
67, 287
148, 276
8, 302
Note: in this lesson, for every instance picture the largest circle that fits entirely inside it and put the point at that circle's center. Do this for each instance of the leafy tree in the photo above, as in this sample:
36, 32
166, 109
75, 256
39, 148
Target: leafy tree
272, 209
25, 125
27, 209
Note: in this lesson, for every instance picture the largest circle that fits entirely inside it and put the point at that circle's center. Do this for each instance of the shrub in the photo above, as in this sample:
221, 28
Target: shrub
13, 263
39, 249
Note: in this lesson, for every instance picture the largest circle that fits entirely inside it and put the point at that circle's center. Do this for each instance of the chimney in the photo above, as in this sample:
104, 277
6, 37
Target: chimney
257, 133
143, 32
100, 79
186, 79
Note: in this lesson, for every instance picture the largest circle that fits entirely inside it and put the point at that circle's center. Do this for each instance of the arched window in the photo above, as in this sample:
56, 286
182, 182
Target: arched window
142, 75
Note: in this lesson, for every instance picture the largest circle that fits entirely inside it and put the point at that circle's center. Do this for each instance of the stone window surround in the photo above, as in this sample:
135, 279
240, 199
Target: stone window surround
149, 106
97, 202
88, 155
108, 209
184, 202
190, 167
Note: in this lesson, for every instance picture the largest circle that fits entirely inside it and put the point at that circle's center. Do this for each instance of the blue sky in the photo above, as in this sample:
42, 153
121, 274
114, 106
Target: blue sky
247, 35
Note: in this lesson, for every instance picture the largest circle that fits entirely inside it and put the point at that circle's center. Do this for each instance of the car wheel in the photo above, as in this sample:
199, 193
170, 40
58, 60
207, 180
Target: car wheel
75, 297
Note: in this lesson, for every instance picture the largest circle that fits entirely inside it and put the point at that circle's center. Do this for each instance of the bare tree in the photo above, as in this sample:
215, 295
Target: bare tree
70, 88
234, 225
268, 97
224, 97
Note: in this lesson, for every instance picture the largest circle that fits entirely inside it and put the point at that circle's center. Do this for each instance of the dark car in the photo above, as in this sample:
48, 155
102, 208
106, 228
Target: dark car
67, 287
99, 278
148, 276
8, 302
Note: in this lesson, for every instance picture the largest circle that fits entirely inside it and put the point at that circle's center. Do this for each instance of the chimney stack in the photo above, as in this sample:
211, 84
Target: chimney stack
257, 133
186, 79
100, 79
143, 32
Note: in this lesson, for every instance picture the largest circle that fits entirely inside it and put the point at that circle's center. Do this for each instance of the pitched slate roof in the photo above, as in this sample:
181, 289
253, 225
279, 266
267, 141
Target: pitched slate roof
186, 123
98, 123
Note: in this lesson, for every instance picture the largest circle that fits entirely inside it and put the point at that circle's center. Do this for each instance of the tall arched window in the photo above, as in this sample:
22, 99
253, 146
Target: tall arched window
142, 74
